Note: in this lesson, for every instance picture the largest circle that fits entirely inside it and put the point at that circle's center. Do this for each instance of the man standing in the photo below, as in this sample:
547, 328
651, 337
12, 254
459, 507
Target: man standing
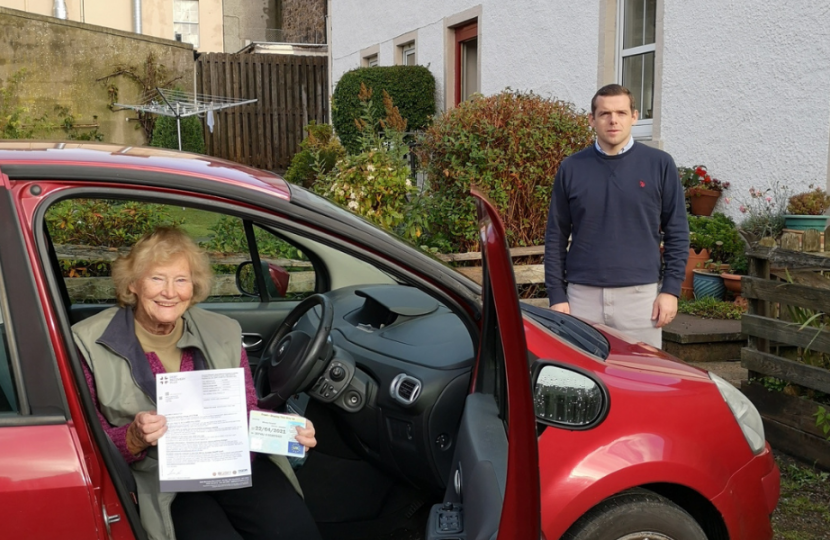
613, 200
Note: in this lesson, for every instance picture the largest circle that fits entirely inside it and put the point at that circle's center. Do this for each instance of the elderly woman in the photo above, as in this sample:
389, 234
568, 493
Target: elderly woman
155, 330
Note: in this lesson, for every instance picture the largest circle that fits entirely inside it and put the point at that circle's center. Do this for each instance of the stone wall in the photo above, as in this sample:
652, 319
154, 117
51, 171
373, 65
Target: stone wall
304, 21
63, 61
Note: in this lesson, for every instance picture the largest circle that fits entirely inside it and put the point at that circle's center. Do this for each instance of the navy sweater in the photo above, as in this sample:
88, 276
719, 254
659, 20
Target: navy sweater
614, 207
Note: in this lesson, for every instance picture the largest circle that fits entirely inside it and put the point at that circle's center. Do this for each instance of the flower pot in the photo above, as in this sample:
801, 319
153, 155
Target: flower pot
803, 223
696, 260
702, 201
708, 285
732, 282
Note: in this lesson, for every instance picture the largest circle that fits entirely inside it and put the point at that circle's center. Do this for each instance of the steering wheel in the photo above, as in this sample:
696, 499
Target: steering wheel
288, 359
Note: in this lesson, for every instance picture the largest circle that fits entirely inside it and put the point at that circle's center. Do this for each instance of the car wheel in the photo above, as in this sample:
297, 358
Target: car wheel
636, 515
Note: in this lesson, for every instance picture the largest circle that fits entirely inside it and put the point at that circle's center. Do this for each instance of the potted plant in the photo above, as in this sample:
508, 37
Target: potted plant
715, 245
708, 283
702, 190
806, 210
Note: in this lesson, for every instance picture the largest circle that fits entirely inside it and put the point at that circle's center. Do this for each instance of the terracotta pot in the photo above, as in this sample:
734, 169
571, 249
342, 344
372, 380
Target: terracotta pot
732, 283
702, 201
695, 259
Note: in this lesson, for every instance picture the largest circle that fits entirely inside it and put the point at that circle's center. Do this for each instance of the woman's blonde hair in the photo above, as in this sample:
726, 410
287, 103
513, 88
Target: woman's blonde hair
161, 246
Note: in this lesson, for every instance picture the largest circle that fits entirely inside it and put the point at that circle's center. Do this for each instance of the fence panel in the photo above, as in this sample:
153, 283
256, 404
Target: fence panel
290, 91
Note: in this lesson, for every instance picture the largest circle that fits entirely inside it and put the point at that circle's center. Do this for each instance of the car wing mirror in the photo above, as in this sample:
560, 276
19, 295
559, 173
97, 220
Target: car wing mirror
566, 397
276, 279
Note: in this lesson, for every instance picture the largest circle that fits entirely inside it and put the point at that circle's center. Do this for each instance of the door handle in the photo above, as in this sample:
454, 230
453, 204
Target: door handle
251, 342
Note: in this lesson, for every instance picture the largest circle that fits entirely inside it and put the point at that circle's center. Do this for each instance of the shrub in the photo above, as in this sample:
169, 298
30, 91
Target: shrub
165, 134
412, 88
101, 223
318, 154
375, 182
809, 203
511, 145
719, 235
711, 308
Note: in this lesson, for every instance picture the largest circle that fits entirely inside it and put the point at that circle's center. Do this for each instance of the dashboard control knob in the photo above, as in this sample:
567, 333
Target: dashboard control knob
337, 373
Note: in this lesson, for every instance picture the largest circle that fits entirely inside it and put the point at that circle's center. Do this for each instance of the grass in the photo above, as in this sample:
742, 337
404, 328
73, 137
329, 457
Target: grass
196, 223
803, 511
710, 308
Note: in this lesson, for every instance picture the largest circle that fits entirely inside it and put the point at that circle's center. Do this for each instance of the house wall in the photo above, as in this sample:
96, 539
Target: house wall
156, 17
741, 86
748, 96
546, 38
64, 60
247, 20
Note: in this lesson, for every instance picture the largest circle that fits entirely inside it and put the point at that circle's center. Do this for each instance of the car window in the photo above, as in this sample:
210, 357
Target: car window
89, 234
8, 394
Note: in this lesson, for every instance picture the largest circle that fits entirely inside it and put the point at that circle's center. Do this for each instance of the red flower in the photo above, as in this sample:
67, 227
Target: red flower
707, 179
700, 171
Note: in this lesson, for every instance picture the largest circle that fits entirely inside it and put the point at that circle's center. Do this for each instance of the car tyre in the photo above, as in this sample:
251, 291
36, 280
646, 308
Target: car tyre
636, 515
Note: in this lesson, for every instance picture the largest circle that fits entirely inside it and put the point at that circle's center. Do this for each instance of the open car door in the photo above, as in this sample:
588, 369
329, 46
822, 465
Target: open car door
494, 490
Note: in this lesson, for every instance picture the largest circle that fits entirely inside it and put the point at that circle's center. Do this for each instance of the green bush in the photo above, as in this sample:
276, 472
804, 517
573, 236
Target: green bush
165, 134
412, 88
375, 183
319, 152
720, 236
510, 145
101, 223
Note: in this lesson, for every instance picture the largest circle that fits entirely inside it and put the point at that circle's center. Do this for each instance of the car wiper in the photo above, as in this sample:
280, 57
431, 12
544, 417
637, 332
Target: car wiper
571, 329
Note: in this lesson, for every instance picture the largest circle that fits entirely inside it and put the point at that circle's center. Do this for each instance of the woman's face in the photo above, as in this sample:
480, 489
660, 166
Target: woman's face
163, 294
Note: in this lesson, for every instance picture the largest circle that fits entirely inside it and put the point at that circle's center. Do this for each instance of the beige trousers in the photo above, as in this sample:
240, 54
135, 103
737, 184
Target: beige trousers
627, 309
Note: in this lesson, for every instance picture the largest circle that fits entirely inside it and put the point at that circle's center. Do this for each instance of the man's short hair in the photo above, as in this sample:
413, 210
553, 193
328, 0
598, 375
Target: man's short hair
611, 90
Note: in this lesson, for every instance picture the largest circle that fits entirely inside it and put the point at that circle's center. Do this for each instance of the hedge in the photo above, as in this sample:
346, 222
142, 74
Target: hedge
165, 134
412, 89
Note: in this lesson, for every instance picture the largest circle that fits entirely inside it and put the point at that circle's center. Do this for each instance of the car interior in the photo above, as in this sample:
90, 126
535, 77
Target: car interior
386, 386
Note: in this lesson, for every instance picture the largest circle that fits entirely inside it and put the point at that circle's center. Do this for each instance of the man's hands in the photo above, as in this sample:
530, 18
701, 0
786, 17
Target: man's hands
145, 431
664, 309
562, 307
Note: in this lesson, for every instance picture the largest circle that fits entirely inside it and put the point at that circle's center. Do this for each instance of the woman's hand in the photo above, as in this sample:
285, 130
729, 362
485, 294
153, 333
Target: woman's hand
305, 436
146, 430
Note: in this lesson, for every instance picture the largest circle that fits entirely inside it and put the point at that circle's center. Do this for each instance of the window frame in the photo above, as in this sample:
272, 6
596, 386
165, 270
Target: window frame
644, 128
464, 34
197, 25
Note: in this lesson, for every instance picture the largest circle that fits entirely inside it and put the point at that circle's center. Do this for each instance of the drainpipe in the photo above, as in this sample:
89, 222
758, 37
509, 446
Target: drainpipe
137, 16
59, 9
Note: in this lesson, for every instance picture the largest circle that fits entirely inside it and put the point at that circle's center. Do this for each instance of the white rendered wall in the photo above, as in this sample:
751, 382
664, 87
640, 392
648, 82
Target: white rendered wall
746, 92
547, 46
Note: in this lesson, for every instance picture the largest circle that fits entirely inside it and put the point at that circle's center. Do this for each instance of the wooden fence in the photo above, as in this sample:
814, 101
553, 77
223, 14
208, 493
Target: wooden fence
290, 91
788, 419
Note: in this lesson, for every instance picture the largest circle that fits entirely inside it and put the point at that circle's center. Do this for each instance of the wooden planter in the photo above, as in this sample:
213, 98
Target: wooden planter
789, 424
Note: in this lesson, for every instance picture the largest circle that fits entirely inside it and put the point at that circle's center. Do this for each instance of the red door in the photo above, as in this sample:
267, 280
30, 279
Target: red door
521, 507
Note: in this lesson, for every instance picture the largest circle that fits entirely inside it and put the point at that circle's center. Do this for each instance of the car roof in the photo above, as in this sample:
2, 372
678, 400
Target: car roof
16, 156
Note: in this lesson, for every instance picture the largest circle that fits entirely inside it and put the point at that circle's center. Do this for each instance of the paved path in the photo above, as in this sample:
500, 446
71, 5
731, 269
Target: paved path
731, 371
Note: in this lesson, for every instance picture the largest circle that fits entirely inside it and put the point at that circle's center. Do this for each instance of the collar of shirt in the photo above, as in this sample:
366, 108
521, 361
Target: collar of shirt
624, 149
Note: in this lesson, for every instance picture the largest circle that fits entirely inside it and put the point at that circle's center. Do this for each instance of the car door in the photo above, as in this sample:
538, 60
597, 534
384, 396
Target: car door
495, 485
48, 489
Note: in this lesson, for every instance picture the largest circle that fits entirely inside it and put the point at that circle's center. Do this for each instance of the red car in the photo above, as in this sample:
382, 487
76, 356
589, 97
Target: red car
416, 380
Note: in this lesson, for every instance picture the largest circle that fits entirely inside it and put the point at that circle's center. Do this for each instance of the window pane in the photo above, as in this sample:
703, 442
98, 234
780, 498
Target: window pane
640, 18
469, 68
638, 76
8, 395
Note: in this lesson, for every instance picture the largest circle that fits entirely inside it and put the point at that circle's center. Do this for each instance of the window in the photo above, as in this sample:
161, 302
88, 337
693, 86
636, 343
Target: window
186, 21
370, 56
370, 61
8, 395
466, 62
637, 20
86, 250
408, 54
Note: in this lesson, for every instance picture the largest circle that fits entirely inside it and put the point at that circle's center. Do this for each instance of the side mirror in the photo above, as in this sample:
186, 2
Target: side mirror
276, 279
567, 398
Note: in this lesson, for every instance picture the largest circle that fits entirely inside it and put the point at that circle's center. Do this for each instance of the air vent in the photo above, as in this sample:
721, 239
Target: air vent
405, 389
